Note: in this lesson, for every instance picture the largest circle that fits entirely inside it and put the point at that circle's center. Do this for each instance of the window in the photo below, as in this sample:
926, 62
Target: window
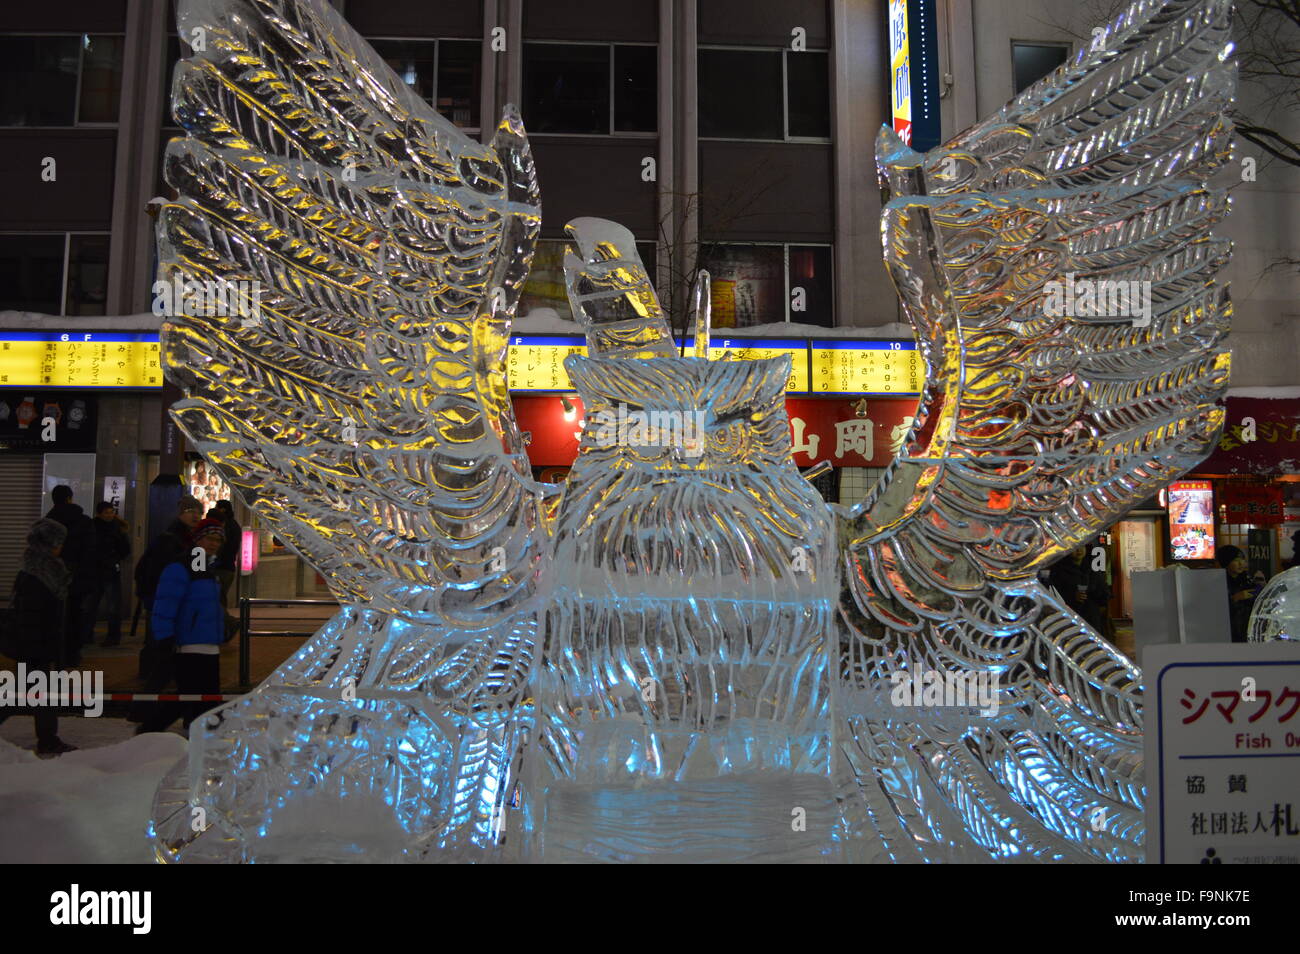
444, 73
1032, 61
59, 80
87, 279
592, 89
762, 284
764, 94
545, 288
54, 273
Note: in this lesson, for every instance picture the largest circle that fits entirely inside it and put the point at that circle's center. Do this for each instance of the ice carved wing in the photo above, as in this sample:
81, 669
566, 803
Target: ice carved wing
359, 404
1043, 421
1046, 427
611, 294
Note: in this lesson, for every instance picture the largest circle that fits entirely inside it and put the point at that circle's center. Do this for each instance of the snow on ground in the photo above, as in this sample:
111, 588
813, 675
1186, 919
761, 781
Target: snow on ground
539, 321
85, 807
1265, 392
33, 321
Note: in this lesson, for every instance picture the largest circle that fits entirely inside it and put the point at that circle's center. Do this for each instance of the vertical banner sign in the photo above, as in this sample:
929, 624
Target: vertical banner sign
171, 444
1259, 553
1223, 753
115, 492
914, 72
248, 552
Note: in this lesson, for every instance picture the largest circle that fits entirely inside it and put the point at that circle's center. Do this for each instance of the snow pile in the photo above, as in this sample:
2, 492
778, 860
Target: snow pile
539, 321
34, 321
547, 321
86, 807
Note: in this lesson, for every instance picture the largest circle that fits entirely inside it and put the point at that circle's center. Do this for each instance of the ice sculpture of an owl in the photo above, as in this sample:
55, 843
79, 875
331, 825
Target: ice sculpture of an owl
682, 653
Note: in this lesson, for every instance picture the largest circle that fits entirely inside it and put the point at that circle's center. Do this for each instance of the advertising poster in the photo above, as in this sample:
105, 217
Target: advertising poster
1191, 520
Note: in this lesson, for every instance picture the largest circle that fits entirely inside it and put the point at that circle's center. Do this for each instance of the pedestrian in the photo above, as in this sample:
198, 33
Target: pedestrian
189, 621
171, 545
34, 631
228, 558
82, 561
1242, 590
1083, 589
113, 548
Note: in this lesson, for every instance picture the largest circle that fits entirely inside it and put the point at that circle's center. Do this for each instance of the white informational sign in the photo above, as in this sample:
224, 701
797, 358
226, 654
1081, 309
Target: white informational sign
1223, 753
115, 492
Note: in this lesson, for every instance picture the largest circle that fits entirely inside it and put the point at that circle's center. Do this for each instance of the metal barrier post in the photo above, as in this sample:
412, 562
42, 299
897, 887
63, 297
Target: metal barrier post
245, 662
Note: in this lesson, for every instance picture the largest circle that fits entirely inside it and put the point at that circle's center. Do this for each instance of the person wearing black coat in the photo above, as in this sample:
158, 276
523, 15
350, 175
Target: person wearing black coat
112, 549
82, 560
35, 620
1082, 588
1242, 590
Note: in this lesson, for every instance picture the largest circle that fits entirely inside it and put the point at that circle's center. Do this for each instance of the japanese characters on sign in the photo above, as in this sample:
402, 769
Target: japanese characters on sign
866, 367
79, 359
862, 433
1261, 506
536, 362
832, 366
914, 72
1223, 753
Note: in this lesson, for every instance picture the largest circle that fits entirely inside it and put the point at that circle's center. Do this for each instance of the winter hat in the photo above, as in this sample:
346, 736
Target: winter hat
189, 503
207, 528
47, 534
39, 559
1226, 555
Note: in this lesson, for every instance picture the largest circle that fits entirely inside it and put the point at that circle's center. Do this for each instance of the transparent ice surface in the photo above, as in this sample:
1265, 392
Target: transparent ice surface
682, 653
1276, 614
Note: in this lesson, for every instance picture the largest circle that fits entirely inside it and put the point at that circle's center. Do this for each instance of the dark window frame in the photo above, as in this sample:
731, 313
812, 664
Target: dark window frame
77, 122
65, 273
609, 45
437, 42
1065, 45
789, 316
786, 53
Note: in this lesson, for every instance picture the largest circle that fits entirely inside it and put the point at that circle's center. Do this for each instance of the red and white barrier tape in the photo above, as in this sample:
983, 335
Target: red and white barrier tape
75, 701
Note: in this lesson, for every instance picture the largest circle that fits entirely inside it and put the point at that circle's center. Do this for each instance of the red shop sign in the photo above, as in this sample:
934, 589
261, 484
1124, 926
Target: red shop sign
848, 433
1260, 436
1261, 506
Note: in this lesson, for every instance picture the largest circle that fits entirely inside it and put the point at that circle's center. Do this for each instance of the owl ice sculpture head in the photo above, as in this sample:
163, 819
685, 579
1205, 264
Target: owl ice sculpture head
685, 653
1277, 609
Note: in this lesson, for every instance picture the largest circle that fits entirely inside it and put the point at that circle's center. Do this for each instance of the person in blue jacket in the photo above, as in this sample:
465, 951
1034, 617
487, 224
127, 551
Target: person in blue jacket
188, 616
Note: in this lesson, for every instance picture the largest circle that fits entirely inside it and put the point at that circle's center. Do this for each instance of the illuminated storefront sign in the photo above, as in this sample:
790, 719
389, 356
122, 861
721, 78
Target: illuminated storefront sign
536, 362
817, 366
752, 349
866, 367
862, 433
914, 72
76, 359
79, 359
249, 551
1191, 519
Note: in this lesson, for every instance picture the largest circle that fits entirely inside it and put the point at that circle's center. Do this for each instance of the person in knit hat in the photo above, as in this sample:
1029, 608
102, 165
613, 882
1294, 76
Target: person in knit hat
189, 620
1242, 590
36, 620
